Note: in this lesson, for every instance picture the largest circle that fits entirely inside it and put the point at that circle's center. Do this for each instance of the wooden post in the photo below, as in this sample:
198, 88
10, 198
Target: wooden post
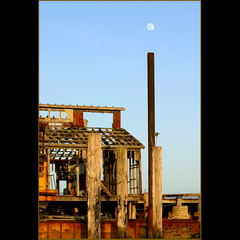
136, 158
106, 170
77, 172
110, 172
122, 192
133, 176
151, 140
157, 191
130, 210
134, 213
140, 174
114, 192
57, 177
94, 185
84, 159
130, 177
69, 180
145, 205
48, 168
151, 121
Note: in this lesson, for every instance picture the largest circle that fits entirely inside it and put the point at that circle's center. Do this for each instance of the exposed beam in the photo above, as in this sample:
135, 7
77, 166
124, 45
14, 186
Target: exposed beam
45, 107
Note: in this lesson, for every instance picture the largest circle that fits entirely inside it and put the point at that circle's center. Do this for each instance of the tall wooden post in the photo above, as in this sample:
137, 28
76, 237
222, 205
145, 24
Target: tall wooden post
122, 192
157, 191
94, 185
151, 131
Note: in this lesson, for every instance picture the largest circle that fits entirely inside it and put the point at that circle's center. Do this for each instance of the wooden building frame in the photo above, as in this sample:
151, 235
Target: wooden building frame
60, 140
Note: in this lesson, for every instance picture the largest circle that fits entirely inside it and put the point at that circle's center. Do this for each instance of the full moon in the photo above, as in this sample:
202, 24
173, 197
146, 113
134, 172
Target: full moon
150, 26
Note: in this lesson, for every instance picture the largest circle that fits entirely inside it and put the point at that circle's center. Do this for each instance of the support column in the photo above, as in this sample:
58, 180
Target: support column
140, 174
48, 169
84, 159
157, 191
69, 180
77, 172
145, 205
94, 185
122, 192
106, 169
134, 213
57, 178
130, 210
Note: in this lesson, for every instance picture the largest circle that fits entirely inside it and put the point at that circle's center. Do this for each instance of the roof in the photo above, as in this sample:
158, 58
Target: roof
76, 137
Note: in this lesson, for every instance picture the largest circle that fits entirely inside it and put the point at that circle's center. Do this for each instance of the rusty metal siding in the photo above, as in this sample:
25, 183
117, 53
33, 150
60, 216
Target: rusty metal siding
62, 230
78, 230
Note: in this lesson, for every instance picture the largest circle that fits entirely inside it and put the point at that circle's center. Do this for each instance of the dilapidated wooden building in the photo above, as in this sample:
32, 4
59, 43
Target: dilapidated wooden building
63, 142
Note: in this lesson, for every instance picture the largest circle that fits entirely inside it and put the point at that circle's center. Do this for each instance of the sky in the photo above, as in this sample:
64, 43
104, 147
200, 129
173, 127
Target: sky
95, 53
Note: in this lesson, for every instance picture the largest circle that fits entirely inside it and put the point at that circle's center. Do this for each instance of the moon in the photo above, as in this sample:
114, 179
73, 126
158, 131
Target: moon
150, 26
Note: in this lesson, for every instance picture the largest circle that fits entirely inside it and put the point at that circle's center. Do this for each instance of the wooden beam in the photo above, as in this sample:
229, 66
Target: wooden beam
43, 107
84, 146
180, 194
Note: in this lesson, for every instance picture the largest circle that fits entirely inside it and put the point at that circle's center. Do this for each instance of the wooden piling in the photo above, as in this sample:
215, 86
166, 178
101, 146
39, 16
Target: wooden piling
122, 192
94, 185
157, 191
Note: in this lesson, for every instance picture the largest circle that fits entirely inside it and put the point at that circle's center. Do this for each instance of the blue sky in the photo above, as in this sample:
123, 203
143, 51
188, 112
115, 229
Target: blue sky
95, 53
